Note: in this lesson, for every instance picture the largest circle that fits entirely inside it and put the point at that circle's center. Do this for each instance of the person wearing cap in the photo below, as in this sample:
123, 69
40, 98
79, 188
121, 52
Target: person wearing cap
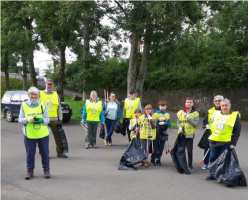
51, 99
225, 128
34, 117
130, 105
207, 122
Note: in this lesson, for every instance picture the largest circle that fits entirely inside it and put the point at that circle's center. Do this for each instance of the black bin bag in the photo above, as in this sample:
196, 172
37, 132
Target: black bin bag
178, 155
226, 169
61, 131
204, 143
102, 132
132, 156
118, 127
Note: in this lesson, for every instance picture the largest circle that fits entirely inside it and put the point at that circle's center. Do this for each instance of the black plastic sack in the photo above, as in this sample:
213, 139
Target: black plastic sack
61, 131
226, 169
204, 143
178, 155
132, 156
102, 132
162, 130
118, 127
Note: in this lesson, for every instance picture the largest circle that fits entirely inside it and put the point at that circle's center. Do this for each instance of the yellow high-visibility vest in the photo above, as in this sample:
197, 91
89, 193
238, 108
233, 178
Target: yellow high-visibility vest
222, 127
131, 106
146, 131
52, 102
158, 115
35, 131
212, 113
93, 110
182, 117
133, 122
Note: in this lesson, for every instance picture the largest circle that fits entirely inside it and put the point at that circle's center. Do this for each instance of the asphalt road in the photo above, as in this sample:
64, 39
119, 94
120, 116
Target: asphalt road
92, 174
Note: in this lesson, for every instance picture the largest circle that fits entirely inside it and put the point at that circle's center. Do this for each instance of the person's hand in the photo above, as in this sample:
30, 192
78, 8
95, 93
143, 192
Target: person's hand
188, 117
203, 126
180, 129
162, 119
103, 123
106, 112
134, 137
131, 126
232, 146
41, 121
149, 117
30, 120
82, 121
161, 123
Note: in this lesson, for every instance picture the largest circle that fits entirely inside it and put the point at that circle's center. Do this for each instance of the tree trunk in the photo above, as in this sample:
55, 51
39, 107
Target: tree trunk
86, 54
6, 70
24, 75
31, 68
144, 63
132, 62
60, 88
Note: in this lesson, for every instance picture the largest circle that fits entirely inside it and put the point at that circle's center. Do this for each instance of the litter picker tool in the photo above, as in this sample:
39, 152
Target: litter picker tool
152, 141
84, 126
168, 146
204, 156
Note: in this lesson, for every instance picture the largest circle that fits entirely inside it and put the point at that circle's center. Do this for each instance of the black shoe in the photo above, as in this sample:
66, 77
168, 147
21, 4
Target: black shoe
210, 177
47, 173
152, 162
61, 155
30, 174
229, 185
158, 162
94, 146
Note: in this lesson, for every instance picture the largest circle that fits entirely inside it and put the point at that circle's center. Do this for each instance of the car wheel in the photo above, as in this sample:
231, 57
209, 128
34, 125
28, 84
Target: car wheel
9, 116
67, 120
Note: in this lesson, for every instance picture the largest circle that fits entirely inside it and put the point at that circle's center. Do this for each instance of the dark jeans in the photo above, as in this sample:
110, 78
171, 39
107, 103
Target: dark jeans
109, 124
215, 152
206, 159
158, 156
126, 125
30, 145
189, 146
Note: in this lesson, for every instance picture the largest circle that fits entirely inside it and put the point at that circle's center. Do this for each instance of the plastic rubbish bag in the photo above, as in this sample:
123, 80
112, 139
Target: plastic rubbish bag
226, 169
178, 155
132, 156
63, 138
102, 132
204, 143
118, 127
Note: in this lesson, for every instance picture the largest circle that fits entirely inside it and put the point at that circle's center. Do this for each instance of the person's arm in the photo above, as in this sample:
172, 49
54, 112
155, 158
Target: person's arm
46, 116
118, 112
60, 114
124, 111
205, 121
84, 115
101, 117
140, 107
194, 122
236, 131
22, 119
168, 123
178, 124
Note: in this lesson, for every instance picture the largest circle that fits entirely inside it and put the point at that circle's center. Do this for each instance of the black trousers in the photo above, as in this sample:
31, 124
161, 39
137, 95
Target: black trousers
126, 125
189, 146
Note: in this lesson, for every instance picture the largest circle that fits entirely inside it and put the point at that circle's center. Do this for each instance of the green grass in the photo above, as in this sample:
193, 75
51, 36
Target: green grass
77, 107
173, 124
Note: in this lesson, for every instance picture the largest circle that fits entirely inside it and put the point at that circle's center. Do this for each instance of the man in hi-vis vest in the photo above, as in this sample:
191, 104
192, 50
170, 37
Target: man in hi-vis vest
130, 105
52, 101
225, 129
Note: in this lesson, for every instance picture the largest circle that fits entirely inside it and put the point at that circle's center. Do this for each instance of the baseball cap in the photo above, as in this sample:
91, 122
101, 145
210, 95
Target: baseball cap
132, 91
49, 81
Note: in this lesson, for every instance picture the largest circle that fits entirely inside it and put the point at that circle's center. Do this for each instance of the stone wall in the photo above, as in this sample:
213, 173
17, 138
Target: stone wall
203, 99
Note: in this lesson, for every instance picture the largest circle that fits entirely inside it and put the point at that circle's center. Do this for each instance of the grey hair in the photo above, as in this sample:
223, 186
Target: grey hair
33, 90
92, 92
219, 97
227, 100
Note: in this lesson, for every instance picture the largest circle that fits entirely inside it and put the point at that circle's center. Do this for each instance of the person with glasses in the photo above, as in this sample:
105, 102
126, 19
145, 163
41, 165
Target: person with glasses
207, 123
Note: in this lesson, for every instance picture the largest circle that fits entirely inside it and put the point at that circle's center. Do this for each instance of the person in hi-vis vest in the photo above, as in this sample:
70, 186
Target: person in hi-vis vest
207, 122
92, 114
130, 105
188, 120
51, 98
225, 129
34, 117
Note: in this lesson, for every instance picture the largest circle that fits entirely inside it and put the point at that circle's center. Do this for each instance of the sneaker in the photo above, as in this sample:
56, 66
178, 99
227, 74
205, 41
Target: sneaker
204, 167
86, 147
158, 162
94, 146
30, 174
152, 162
61, 155
105, 143
47, 173
191, 168
210, 177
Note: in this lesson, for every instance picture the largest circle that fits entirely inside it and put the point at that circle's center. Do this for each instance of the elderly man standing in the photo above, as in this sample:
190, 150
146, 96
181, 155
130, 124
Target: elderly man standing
225, 129
52, 101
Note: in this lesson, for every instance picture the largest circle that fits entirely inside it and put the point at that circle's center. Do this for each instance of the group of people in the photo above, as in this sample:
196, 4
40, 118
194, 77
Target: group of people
149, 127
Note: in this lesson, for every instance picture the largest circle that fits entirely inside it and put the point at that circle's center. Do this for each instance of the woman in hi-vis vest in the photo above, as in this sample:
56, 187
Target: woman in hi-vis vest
130, 105
34, 117
92, 114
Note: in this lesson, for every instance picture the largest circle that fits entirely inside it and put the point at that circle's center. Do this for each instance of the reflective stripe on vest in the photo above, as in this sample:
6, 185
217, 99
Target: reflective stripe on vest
212, 113
182, 117
131, 106
52, 102
222, 127
146, 131
93, 110
35, 131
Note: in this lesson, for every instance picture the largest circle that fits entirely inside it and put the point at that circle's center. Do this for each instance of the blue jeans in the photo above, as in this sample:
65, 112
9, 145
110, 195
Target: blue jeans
206, 159
43, 144
158, 156
109, 124
215, 152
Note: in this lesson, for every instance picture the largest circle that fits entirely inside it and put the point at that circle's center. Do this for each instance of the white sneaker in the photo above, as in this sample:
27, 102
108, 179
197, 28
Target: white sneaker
204, 167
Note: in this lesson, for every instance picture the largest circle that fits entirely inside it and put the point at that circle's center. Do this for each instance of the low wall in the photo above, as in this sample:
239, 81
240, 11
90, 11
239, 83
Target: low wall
203, 99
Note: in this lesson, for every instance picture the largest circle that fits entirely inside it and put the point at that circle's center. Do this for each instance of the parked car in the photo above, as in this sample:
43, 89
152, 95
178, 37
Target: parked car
11, 104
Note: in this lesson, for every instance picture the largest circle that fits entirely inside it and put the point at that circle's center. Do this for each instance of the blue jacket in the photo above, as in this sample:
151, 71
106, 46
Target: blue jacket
118, 117
84, 115
163, 112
